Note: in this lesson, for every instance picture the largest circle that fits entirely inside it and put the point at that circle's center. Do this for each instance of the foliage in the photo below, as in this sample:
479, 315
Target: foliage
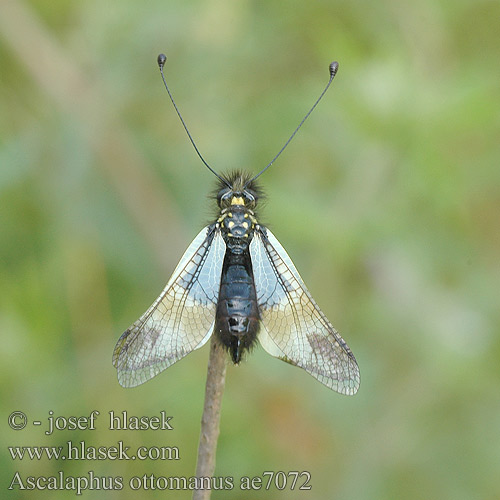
388, 201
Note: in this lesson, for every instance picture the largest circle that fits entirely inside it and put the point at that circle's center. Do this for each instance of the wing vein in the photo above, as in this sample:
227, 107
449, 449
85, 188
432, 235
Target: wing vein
294, 327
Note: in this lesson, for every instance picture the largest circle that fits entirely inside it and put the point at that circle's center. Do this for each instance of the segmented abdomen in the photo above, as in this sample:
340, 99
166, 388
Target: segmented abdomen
237, 316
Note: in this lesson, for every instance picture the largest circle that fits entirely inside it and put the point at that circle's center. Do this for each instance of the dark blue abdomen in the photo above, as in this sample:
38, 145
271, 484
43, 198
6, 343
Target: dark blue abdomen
237, 316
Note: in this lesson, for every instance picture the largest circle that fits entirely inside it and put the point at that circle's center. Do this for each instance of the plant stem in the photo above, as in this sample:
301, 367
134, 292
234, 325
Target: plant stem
216, 377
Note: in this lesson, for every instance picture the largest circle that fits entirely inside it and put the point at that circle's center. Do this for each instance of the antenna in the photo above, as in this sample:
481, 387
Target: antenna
162, 59
334, 66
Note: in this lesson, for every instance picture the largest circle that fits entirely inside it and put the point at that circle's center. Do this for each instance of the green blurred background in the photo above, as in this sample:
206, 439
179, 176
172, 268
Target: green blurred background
388, 201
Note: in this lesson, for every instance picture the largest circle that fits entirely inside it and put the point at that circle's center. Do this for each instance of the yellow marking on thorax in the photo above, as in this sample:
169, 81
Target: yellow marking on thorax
237, 200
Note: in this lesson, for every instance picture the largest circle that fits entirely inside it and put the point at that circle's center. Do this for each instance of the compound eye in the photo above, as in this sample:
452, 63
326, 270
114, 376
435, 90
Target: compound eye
250, 199
249, 196
225, 197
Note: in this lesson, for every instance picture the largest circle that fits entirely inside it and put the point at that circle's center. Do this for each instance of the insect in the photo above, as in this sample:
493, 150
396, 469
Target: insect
237, 282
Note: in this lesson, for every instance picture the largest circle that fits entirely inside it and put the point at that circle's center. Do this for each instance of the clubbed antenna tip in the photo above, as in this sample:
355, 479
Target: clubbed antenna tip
162, 59
334, 67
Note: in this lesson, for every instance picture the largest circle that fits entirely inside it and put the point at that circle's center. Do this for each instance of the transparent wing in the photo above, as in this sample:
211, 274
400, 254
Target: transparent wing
180, 320
293, 327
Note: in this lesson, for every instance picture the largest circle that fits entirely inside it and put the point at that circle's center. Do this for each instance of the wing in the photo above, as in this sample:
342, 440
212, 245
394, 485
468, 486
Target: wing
180, 320
293, 327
